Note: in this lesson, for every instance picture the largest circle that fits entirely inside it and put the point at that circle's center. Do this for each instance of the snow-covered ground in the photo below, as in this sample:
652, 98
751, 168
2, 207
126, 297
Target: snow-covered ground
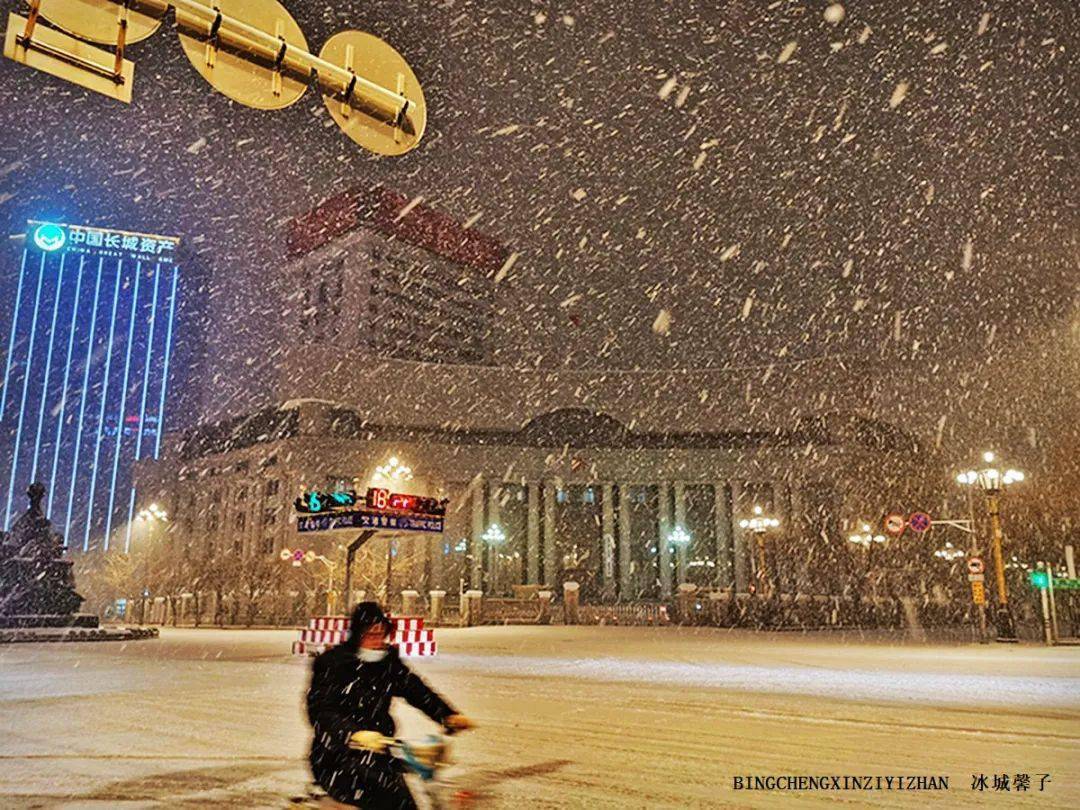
568, 717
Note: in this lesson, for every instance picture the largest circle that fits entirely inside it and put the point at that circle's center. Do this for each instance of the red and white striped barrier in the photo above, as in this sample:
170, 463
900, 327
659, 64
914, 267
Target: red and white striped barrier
323, 632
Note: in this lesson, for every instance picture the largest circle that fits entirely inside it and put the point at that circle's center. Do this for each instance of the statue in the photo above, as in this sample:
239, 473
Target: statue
35, 580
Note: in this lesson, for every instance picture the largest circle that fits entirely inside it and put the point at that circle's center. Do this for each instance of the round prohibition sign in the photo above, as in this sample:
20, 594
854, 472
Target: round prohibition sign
919, 522
895, 524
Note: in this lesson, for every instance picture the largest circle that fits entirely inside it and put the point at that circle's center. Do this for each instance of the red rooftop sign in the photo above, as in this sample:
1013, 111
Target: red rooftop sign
381, 208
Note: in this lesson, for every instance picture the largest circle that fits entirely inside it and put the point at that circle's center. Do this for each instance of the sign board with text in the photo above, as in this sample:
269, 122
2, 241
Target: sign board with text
978, 593
369, 519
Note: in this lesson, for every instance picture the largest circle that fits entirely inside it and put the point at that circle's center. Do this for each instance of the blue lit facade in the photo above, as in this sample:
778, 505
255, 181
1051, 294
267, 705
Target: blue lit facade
86, 374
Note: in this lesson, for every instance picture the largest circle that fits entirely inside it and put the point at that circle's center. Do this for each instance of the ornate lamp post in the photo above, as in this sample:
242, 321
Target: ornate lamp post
993, 481
866, 537
758, 525
394, 470
494, 537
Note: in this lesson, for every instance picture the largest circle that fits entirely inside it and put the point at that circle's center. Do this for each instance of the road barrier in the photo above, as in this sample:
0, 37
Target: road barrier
323, 632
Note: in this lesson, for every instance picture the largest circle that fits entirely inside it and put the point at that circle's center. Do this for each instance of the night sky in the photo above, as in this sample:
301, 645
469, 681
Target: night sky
897, 190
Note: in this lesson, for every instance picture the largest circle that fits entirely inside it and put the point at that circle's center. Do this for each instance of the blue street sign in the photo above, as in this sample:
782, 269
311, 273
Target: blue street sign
366, 519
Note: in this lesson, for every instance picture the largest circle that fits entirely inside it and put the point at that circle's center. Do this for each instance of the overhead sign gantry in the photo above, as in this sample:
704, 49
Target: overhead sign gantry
382, 511
252, 51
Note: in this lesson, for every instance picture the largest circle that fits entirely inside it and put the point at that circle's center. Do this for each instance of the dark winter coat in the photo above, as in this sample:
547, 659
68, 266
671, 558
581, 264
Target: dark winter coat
348, 695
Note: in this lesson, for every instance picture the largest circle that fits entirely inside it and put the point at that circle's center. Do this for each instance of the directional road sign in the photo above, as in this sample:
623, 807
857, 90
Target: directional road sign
369, 519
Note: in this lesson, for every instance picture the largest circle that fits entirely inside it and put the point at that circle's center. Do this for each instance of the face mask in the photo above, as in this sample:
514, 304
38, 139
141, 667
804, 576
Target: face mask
371, 656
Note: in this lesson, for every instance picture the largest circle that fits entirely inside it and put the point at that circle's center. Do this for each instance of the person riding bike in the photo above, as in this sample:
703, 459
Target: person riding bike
348, 705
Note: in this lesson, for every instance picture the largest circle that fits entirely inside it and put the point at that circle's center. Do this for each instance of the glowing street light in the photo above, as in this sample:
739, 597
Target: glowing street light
679, 536
758, 525
394, 470
949, 553
993, 481
866, 537
153, 512
494, 535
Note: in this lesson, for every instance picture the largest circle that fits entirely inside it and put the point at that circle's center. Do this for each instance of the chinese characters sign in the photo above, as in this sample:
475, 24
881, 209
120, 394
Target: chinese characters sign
52, 236
368, 519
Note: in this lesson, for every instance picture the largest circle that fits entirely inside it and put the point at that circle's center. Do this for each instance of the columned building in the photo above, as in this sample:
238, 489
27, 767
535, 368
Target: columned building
579, 496
629, 482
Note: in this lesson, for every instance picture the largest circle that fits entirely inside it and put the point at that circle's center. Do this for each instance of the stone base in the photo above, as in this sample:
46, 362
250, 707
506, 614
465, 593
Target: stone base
51, 634
49, 620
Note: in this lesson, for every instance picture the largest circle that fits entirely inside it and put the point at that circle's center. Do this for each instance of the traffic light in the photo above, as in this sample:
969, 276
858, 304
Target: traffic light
1039, 579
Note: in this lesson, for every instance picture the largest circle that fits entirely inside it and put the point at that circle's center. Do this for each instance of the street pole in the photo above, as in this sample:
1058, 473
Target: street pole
1005, 628
389, 568
762, 572
975, 552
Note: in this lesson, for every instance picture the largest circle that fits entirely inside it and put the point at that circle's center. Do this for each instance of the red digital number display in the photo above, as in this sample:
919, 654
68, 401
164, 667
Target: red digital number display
385, 499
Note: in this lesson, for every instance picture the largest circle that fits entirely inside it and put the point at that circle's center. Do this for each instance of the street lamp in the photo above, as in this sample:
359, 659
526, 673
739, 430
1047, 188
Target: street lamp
866, 537
993, 481
151, 516
679, 536
758, 525
394, 470
494, 537
949, 552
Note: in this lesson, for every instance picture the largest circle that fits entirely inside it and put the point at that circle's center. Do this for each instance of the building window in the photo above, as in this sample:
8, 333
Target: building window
272, 487
270, 515
323, 290
240, 521
268, 545
238, 545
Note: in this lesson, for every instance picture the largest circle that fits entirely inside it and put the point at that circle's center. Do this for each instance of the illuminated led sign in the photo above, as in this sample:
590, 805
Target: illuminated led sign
385, 499
49, 237
314, 503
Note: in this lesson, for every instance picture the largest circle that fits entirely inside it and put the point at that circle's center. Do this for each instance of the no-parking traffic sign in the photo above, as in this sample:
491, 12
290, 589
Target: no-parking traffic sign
919, 522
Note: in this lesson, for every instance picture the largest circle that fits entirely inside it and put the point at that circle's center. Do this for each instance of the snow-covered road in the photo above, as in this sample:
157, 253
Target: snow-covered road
569, 717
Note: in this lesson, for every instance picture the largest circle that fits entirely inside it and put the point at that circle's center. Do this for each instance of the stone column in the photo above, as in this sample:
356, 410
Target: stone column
551, 568
607, 534
684, 603
625, 583
725, 552
545, 606
682, 552
438, 599
802, 579
472, 608
665, 544
570, 602
492, 551
410, 602
476, 541
532, 534
740, 549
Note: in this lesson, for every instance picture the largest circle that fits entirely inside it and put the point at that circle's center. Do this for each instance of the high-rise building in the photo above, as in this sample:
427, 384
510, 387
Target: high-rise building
377, 272
86, 373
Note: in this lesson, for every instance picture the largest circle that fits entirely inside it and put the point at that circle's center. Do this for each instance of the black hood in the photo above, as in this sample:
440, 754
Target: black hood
364, 615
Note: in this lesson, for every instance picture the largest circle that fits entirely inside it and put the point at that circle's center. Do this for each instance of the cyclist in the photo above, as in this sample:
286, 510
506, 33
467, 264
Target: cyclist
348, 706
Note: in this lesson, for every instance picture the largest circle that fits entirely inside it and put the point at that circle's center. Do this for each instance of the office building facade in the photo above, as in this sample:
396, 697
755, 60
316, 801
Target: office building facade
89, 346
